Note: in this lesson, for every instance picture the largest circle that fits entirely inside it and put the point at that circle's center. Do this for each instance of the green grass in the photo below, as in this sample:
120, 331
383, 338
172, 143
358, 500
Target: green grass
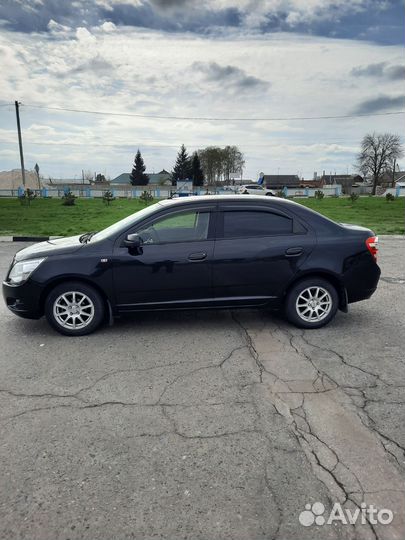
376, 213
48, 217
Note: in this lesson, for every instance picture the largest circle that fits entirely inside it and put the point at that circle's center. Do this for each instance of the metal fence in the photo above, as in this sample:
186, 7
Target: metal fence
165, 192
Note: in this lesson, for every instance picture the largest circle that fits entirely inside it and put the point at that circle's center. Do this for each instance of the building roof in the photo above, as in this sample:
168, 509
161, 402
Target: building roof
160, 177
281, 180
154, 178
341, 176
123, 178
398, 176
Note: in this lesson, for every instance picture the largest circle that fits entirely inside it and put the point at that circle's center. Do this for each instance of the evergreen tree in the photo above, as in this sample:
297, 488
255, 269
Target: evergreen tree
197, 173
182, 167
138, 176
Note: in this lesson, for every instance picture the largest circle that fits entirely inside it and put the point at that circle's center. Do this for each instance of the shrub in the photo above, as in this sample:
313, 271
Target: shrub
389, 197
68, 199
353, 197
108, 198
146, 197
281, 194
27, 197
319, 194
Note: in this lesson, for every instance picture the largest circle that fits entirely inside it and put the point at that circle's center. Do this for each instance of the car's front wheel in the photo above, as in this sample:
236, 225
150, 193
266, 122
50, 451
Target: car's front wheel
311, 303
74, 309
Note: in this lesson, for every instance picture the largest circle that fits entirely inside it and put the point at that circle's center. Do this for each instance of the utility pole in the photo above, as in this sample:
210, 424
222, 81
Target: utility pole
17, 113
393, 172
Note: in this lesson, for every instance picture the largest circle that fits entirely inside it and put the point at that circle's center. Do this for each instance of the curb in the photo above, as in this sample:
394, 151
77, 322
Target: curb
27, 238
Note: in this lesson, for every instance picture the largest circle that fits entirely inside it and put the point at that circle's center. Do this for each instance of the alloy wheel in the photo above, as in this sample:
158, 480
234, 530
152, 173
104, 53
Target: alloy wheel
313, 304
73, 310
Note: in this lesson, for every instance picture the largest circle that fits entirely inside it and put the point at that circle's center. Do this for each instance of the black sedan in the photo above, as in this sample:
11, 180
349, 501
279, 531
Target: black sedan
198, 252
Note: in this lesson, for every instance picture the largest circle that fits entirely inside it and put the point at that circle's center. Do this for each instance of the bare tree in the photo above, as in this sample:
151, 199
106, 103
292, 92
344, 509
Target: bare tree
377, 155
88, 176
211, 163
233, 161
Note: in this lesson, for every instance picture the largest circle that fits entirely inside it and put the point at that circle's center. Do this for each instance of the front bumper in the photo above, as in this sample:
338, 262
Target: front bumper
23, 300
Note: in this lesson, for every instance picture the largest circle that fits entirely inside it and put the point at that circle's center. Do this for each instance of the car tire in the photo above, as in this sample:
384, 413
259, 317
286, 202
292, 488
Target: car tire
74, 309
311, 303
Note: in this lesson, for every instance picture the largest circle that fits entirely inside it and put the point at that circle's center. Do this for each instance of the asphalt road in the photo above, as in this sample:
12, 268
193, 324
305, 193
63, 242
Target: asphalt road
204, 425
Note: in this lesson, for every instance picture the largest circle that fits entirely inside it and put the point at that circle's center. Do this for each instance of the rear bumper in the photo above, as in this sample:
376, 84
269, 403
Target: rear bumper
361, 277
23, 300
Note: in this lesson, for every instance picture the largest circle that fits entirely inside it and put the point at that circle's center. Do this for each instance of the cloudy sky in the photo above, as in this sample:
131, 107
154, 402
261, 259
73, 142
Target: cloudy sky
245, 72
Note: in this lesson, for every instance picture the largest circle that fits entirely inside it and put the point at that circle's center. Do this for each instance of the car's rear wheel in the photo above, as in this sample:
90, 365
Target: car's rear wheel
74, 309
311, 303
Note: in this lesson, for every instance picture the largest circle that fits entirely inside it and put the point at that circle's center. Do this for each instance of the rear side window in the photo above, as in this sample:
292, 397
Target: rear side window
249, 223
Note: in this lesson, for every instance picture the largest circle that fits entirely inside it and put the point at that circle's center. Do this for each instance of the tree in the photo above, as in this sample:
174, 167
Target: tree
211, 161
197, 174
377, 155
233, 162
100, 178
219, 163
138, 176
108, 197
36, 168
182, 167
87, 177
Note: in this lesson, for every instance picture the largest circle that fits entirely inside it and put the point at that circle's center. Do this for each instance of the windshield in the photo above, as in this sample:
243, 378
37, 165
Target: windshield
123, 224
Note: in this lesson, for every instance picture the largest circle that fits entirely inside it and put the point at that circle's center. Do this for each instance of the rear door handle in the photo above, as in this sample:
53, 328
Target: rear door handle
200, 256
293, 252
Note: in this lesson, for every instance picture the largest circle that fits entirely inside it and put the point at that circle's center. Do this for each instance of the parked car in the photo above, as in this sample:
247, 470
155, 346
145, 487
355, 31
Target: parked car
198, 252
255, 189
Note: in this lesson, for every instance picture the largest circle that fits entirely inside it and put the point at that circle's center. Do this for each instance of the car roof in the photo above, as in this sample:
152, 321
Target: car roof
229, 198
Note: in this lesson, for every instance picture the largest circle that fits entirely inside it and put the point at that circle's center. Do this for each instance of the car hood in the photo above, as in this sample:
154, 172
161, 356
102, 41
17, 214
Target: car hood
57, 246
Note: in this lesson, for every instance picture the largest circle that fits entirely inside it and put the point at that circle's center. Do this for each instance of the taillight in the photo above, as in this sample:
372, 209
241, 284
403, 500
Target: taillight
372, 246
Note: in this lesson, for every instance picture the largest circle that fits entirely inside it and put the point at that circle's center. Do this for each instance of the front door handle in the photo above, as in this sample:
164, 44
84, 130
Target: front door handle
293, 251
200, 256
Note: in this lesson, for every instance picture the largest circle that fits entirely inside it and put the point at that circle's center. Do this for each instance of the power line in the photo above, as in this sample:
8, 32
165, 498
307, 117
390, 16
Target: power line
211, 119
118, 145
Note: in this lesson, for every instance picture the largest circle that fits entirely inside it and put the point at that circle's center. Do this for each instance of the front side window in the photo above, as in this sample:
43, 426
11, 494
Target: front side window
179, 227
239, 224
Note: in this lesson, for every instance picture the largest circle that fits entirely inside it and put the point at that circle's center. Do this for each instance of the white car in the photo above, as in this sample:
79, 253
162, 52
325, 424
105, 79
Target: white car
255, 189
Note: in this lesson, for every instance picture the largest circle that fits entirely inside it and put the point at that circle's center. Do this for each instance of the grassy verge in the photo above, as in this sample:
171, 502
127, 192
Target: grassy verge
49, 217
376, 213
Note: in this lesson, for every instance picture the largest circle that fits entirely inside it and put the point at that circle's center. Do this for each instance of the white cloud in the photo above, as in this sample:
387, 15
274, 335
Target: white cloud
108, 27
82, 34
56, 28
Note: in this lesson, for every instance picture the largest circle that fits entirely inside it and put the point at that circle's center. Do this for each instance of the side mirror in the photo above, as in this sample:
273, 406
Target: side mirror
133, 241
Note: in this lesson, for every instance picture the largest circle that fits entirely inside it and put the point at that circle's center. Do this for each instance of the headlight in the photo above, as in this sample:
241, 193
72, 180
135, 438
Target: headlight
22, 270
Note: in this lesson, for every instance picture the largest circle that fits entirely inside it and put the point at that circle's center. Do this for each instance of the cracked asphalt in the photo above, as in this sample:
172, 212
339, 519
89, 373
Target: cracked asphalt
204, 425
